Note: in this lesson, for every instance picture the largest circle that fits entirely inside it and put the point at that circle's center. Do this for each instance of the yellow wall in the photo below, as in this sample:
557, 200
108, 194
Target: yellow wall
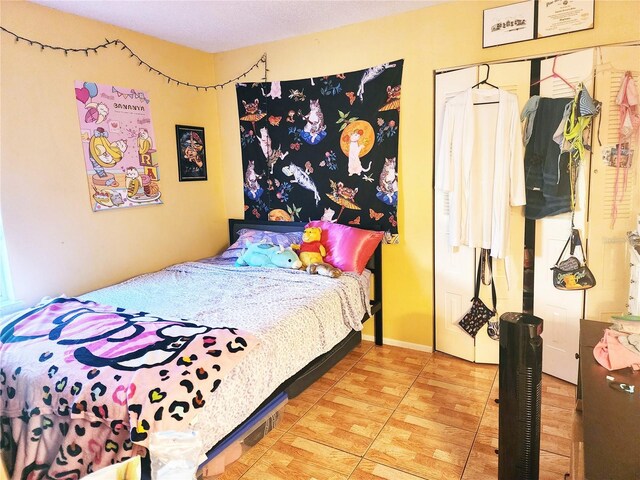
443, 36
56, 244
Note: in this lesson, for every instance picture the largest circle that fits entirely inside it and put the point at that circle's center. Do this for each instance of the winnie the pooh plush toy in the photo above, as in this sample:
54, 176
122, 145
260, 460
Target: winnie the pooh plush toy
311, 249
312, 253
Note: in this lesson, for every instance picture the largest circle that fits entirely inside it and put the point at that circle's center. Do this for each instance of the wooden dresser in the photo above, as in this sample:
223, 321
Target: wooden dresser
610, 417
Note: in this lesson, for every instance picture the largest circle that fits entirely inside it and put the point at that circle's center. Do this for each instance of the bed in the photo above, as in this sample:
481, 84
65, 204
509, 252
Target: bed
284, 329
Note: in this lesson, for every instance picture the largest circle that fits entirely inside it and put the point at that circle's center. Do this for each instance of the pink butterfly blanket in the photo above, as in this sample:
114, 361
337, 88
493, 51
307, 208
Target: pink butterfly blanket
69, 360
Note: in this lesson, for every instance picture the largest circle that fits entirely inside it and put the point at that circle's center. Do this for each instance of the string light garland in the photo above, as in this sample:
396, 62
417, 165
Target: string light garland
123, 46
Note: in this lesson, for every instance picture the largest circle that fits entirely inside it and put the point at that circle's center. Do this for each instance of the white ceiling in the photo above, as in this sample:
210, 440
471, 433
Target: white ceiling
221, 25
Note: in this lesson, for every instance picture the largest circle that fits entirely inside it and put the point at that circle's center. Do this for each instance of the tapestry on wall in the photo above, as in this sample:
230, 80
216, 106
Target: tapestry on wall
118, 144
323, 148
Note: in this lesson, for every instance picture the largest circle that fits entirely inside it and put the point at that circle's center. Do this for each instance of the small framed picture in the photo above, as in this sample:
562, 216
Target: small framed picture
192, 157
508, 24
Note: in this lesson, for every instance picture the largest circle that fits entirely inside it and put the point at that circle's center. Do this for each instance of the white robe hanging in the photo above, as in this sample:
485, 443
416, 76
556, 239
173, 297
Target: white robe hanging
481, 166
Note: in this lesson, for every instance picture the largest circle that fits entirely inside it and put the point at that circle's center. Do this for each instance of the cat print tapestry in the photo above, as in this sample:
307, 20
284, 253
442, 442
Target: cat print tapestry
323, 148
118, 142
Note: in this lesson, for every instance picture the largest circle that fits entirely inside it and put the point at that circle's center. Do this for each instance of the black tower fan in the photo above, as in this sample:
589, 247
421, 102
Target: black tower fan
520, 396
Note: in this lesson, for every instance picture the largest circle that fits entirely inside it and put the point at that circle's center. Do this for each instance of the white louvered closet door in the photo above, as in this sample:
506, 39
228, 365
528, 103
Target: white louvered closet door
455, 267
561, 310
608, 253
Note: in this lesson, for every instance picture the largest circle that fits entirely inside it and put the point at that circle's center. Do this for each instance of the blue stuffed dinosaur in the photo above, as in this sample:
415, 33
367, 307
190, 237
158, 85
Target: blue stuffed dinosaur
268, 255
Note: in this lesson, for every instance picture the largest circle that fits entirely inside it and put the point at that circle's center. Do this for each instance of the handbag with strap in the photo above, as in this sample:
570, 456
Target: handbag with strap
572, 274
479, 313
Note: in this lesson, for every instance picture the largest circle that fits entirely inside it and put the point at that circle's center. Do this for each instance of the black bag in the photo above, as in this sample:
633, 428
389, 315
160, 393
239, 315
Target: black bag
479, 313
572, 274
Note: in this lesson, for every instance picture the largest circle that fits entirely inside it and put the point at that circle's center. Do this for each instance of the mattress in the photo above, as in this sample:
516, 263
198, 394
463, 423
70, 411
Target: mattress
295, 316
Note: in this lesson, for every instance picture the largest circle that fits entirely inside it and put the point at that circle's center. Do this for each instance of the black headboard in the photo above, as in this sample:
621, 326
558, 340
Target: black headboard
235, 225
374, 264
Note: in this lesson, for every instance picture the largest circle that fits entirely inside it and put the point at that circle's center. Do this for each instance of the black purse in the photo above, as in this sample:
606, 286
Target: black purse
479, 313
572, 274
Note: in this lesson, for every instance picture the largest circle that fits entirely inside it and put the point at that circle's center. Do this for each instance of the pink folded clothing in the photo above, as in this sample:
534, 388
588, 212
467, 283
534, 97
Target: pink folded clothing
612, 354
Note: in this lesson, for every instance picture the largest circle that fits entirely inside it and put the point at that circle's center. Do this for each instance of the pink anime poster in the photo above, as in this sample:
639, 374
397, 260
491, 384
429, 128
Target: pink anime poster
118, 144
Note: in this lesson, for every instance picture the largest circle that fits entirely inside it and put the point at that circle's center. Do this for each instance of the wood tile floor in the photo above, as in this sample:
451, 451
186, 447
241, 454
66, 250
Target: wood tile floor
398, 414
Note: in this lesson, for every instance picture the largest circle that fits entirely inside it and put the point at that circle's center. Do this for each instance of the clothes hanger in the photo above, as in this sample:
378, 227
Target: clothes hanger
485, 82
486, 78
554, 74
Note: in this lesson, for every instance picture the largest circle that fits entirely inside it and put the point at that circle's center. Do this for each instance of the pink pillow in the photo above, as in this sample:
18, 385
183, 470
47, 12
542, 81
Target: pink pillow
348, 248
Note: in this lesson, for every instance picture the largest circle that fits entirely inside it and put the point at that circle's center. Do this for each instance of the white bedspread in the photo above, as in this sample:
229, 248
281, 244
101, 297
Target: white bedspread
296, 317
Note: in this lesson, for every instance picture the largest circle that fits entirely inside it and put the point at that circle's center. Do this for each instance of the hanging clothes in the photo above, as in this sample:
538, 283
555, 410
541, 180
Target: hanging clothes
582, 110
480, 165
627, 100
629, 118
546, 170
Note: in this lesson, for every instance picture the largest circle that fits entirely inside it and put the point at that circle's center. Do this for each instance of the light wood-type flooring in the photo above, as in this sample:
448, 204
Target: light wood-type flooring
399, 414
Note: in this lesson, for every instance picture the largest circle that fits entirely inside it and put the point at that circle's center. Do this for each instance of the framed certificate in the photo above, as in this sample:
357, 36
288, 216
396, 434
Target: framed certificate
508, 24
556, 17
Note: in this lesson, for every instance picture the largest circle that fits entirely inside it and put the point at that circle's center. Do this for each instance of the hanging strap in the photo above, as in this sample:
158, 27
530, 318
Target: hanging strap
575, 241
485, 259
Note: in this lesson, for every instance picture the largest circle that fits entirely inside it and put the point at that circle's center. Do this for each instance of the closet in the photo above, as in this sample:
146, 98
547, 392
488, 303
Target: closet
455, 267
601, 71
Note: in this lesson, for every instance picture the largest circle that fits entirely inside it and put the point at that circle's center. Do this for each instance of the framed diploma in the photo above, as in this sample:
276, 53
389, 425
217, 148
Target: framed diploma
508, 24
556, 17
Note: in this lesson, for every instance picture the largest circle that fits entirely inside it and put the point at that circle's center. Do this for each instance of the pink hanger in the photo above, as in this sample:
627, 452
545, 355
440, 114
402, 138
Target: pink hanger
556, 75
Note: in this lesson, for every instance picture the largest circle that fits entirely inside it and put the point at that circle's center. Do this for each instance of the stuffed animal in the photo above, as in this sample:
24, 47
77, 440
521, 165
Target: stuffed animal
268, 255
311, 250
324, 269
